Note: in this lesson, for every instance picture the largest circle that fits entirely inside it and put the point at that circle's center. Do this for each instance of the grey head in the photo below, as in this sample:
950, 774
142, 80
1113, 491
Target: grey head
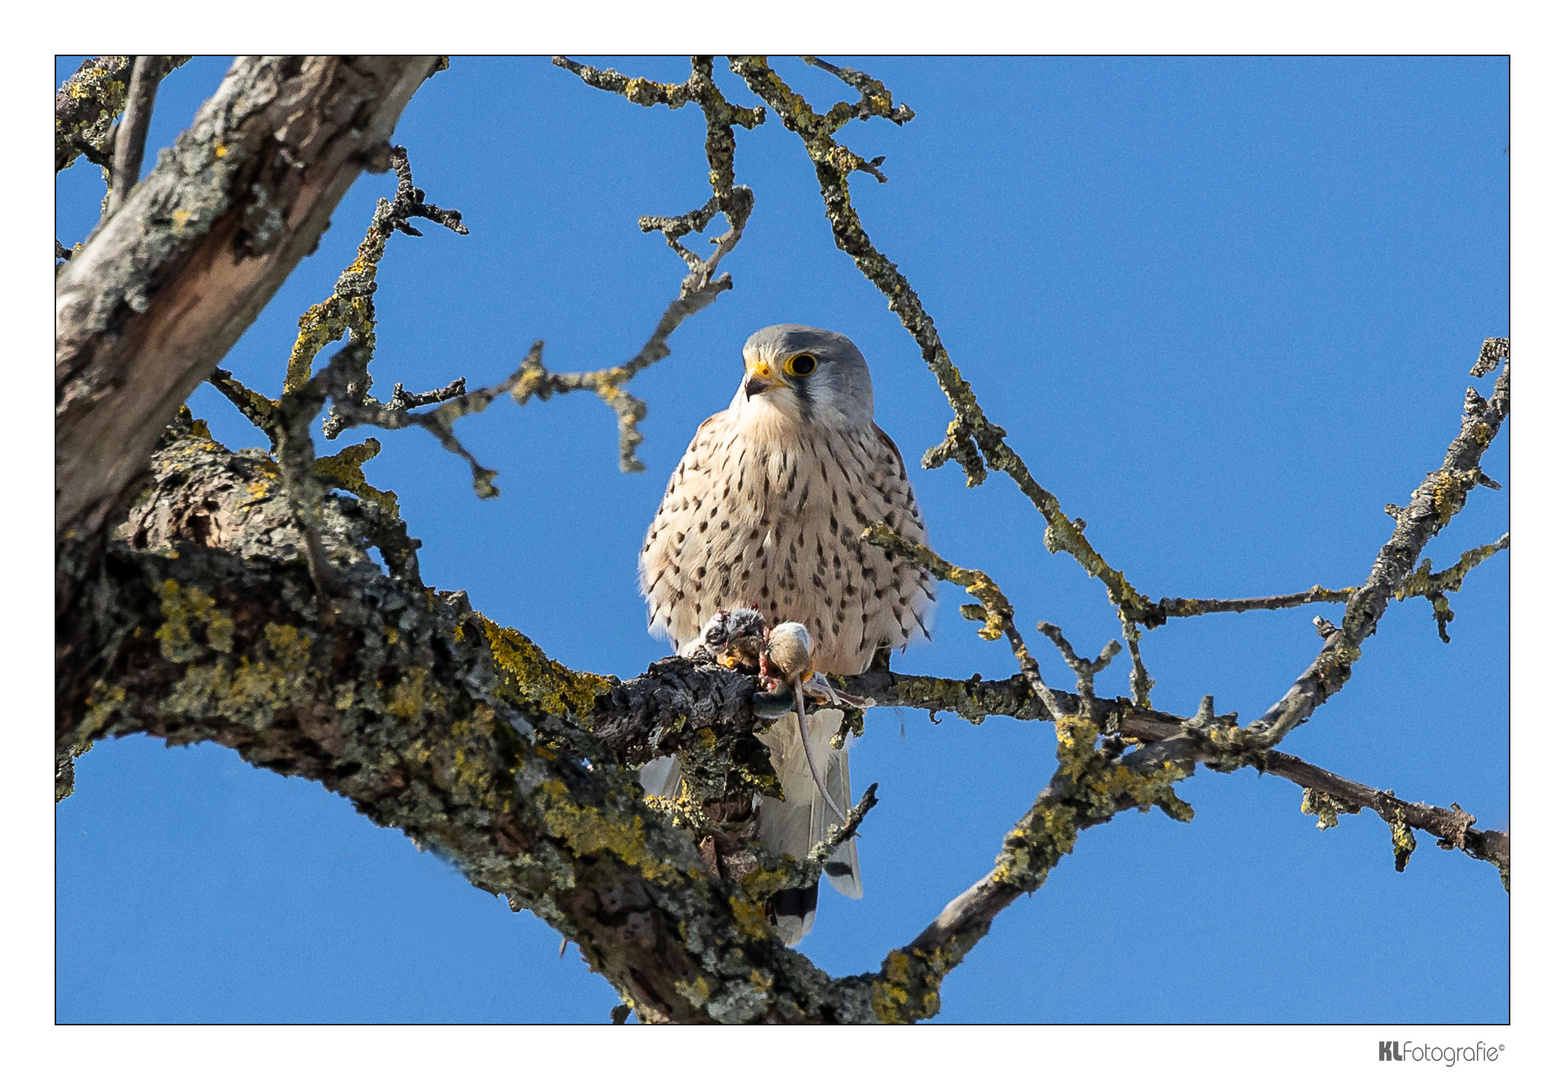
814, 376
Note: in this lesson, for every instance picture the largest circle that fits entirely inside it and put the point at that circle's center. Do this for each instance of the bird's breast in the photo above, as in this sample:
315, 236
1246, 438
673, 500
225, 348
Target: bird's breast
765, 514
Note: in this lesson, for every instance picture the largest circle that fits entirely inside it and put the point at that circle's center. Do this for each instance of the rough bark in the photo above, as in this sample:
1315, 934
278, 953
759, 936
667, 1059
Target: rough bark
210, 615
165, 286
203, 623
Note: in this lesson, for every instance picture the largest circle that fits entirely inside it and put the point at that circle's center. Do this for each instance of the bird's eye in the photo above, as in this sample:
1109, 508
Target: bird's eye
801, 365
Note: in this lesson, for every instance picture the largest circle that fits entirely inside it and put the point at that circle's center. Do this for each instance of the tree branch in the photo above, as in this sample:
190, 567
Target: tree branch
150, 305
131, 141
1442, 494
87, 103
1183, 609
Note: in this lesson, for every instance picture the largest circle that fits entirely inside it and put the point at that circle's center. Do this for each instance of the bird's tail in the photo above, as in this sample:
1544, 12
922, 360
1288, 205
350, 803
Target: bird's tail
795, 824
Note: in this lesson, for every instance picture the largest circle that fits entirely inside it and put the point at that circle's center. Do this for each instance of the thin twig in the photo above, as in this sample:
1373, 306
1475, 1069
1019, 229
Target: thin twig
1086, 670
256, 407
993, 609
702, 285
1434, 586
1182, 608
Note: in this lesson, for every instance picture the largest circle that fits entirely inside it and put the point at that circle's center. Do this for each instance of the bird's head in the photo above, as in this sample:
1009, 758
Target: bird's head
810, 375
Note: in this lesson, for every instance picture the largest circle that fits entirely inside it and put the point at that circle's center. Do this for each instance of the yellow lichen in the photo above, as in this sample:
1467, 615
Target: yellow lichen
531, 675
1447, 494
587, 830
183, 609
750, 917
761, 882
252, 688
102, 704
345, 470
407, 698
697, 992
908, 988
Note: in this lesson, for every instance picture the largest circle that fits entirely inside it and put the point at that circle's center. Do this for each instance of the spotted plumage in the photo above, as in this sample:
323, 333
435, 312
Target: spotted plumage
767, 505
765, 510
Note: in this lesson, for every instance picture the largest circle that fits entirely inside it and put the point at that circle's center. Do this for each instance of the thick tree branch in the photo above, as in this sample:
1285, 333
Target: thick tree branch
433, 720
146, 310
465, 735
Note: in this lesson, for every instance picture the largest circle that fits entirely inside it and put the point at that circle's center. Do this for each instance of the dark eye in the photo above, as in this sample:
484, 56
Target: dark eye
801, 365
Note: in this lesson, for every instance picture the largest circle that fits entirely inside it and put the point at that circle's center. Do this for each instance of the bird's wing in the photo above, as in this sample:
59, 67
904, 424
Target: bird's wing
676, 543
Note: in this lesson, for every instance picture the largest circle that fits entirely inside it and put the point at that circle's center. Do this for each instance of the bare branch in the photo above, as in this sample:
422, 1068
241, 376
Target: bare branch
343, 378
1442, 494
193, 255
131, 141
87, 103
534, 380
1086, 670
402, 400
1182, 608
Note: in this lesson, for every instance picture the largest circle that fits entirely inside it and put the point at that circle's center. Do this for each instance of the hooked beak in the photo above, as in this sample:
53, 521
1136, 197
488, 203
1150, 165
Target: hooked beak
761, 379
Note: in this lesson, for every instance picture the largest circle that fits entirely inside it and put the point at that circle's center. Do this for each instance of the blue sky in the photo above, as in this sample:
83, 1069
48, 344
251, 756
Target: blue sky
1225, 309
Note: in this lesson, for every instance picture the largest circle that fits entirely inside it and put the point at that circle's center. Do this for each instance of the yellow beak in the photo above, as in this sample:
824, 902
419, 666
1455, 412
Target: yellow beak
761, 378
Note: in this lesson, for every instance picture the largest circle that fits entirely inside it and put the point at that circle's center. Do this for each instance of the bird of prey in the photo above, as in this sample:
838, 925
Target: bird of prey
765, 511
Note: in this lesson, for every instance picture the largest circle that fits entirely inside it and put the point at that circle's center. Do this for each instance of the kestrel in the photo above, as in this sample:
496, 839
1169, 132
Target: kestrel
765, 511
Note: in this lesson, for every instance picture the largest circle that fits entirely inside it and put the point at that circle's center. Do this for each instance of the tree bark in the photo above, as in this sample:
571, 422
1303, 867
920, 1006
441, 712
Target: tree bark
166, 285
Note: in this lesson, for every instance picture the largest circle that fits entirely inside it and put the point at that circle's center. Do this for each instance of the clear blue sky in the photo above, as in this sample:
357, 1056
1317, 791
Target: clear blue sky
1225, 309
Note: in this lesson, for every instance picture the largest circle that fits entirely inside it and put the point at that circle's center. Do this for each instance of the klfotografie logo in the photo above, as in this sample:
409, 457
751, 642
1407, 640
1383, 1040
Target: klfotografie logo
1390, 1050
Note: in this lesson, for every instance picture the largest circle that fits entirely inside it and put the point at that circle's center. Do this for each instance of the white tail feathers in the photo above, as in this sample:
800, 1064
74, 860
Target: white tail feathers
797, 823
